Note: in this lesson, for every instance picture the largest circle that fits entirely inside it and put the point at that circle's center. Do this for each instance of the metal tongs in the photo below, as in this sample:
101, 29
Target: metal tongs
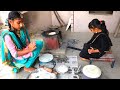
79, 69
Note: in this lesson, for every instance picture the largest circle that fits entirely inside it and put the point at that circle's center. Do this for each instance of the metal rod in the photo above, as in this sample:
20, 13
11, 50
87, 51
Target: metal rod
74, 48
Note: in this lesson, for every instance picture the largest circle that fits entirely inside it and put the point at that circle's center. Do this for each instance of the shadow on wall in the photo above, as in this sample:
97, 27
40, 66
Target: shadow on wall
37, 20
28, 18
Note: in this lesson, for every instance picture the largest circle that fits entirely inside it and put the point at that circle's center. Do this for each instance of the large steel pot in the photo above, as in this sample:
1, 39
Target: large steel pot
47, 60
91, 72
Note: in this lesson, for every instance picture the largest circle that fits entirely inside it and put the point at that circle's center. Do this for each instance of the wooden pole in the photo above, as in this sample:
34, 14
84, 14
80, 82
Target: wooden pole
117, 29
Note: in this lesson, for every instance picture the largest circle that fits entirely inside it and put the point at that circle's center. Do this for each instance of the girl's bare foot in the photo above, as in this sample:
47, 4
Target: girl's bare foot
83, 59
29, 69
45, 68
55, 72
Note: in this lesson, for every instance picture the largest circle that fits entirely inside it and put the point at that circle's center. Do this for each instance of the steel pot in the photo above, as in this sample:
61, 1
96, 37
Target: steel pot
47, 60
91, 72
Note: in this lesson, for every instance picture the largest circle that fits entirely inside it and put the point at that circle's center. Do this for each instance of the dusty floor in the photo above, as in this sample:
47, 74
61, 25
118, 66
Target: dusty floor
107, 71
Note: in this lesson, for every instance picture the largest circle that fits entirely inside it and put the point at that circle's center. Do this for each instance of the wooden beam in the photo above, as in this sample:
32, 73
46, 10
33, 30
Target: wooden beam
117, 29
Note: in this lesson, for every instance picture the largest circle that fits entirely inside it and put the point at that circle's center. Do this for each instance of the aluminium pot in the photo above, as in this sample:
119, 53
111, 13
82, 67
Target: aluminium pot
91, 72
46, 60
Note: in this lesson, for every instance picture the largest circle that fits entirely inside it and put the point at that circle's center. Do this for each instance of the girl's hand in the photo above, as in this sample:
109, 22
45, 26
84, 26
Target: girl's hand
90, 51
32, 46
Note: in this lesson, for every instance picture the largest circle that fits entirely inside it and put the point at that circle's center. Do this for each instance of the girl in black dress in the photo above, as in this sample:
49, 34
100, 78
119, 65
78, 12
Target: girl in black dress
99, 43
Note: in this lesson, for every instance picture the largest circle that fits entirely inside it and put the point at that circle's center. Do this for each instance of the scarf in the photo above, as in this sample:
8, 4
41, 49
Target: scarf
6, 55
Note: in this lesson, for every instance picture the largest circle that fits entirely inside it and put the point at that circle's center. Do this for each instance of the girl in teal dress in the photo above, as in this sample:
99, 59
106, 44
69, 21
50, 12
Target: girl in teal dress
25, 52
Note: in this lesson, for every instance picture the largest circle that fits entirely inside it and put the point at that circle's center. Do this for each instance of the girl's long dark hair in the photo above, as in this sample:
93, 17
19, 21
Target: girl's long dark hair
95, 23
11, 16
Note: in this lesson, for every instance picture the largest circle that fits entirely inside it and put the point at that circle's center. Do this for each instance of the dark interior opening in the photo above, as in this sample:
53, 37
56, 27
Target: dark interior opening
101, 12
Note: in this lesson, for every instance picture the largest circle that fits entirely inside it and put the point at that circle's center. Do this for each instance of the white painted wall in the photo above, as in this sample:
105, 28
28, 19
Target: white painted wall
4, 16
34, 20
82, 18
65, 15
38, 20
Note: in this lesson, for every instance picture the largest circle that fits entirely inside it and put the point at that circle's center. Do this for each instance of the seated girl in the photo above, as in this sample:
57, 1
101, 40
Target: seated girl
17, 50
99, 43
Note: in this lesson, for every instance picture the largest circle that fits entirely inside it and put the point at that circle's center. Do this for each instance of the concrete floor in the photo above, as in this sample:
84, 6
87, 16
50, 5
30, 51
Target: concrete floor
107, 71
